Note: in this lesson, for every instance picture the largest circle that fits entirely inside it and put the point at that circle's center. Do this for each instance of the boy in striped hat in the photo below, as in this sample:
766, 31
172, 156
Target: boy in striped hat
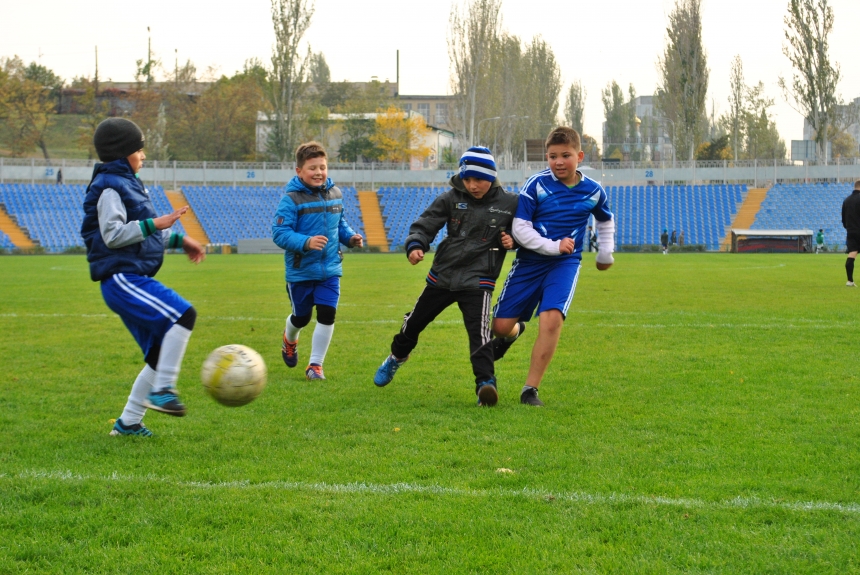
477, 213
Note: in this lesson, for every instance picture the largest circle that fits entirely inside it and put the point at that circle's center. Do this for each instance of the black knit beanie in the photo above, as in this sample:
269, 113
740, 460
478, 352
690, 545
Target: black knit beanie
117, 138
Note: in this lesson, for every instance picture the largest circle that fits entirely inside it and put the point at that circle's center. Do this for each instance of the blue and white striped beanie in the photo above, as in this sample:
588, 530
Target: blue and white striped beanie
478, 162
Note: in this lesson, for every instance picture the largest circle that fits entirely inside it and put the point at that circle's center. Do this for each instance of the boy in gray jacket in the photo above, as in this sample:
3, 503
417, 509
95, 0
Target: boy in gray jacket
478, 212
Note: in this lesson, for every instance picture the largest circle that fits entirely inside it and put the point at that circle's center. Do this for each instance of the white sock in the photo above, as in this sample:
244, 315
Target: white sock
292, 331
134, 409
526, 388
170, 358
321, 341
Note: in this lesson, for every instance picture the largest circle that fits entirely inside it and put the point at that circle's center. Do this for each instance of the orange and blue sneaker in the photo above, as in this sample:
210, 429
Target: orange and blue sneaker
290, 352
314, 371
119, 428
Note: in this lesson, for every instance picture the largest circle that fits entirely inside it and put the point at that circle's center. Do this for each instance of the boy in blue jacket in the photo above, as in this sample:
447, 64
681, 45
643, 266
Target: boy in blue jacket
309, 225
125, 248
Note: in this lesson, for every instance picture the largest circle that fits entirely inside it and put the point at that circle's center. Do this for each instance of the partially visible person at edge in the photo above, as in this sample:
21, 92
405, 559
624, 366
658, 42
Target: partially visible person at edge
851, 223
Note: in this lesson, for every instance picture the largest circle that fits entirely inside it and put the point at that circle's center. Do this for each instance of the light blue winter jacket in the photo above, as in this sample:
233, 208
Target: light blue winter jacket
306, 212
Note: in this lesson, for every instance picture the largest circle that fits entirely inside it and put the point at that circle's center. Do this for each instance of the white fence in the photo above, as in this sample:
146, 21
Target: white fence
369, 176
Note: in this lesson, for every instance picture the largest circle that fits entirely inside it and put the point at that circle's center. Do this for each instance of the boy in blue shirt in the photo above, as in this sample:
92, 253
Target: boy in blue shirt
125, 248
309, 225
550, 226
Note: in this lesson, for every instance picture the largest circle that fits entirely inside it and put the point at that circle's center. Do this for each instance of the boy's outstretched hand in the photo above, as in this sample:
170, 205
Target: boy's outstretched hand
416, 256
356, 241
193, 249
167, 220
507, 241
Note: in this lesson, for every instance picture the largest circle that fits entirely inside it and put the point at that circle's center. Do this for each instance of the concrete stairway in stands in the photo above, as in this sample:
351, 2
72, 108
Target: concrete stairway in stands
374, 227
746, 214
189, 221
16, 234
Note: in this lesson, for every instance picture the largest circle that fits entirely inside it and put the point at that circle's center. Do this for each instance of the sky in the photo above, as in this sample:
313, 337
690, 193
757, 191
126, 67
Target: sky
594, 42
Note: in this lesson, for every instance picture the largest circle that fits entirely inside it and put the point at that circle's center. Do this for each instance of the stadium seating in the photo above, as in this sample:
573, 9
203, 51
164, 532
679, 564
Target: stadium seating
702, 212
5, 242
229, 214
52, 214
402, 205
805, 206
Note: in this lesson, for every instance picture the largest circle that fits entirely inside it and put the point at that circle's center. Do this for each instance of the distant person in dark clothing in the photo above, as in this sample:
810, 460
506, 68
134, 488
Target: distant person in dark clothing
664, 241
674, 240
592, 239
59, 177
851, 223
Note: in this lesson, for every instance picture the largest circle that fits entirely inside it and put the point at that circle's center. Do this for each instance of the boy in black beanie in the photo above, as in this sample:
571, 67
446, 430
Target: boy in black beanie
125, 248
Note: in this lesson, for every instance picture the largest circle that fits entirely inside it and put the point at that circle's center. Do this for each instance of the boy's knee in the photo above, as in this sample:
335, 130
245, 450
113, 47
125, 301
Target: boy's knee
325, 314
188, 319
300, 321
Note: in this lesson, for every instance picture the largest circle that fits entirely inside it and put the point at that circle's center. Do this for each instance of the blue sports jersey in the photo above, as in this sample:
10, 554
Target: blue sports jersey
556, 211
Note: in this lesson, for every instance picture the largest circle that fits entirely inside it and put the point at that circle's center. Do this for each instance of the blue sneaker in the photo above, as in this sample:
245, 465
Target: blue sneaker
386, 371
119, 428
487, 394
165, 401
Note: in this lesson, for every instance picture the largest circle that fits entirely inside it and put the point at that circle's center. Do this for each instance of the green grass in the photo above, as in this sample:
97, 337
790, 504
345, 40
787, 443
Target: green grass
702, 416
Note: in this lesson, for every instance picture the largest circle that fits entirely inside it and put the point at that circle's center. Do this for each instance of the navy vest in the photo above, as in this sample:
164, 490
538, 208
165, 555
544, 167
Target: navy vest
142, 258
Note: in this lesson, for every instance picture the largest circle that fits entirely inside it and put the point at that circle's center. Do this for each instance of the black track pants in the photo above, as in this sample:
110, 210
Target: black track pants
475, 307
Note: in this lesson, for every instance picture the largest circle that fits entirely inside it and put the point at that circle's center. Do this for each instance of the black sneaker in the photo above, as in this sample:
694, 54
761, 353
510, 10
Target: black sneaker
487, 393
530, 397
501, 347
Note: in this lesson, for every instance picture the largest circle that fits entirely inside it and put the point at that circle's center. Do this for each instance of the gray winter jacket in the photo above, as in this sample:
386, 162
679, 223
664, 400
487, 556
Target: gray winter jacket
472, 255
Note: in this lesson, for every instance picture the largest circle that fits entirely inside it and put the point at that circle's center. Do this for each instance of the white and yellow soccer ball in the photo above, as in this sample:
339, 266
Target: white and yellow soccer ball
234, 375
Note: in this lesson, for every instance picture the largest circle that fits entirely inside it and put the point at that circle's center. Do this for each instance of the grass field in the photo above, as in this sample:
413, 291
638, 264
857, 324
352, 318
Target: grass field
702, 417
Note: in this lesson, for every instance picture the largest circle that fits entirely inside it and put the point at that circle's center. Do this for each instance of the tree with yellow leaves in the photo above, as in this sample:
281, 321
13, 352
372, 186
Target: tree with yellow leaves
401, 136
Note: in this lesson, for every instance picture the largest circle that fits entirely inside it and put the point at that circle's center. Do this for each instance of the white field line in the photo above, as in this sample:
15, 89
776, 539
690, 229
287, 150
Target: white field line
408, 488
799, 323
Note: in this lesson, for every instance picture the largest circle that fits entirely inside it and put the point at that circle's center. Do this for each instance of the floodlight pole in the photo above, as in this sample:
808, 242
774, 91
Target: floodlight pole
479, 126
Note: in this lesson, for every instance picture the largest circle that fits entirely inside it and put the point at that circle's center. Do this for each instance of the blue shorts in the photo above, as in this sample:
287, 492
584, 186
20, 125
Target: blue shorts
305, 295
147, 308
542, 284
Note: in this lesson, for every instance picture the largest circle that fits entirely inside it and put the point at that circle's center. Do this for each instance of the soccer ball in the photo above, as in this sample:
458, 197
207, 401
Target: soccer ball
234, 375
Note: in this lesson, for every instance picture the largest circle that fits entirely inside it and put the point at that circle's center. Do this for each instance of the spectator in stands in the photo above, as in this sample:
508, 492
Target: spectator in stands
592, 239
851, 223
819, 241
674, 239
554, 208
125, 248
60, 177
310, 226
477, 211
664, 241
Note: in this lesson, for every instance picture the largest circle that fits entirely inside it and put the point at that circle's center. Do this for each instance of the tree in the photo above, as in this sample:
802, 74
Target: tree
616, 117
27, 107
718, 149
219, 124
762, 137
400, 136
575, 106
733, 121
812, 90
92, 110
474, 29
291, 19
684, 73
544, 84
